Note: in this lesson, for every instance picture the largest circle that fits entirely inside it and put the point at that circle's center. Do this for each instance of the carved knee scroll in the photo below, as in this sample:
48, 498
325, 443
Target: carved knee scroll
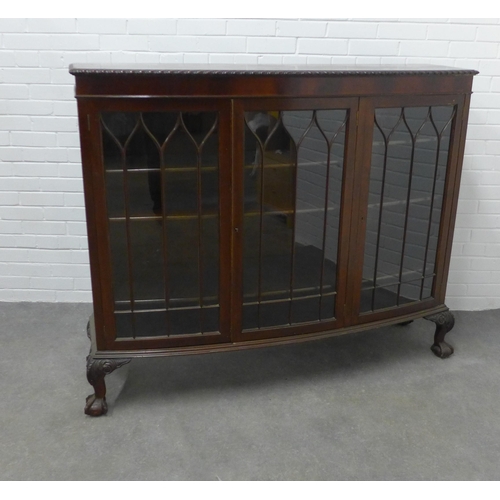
97, 369
444, 323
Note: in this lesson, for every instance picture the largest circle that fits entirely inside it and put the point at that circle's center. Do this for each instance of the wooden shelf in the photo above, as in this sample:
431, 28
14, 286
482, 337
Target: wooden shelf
167, 217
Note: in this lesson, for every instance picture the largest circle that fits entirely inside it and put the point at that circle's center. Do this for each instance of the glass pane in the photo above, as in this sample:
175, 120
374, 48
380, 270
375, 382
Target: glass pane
114, 194
408, 169
145, 237
292, 185
124, 327
162, 200
150, 323
120, 263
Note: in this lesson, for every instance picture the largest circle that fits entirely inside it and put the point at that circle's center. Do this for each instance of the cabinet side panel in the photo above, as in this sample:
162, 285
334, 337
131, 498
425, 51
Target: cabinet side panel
451, 198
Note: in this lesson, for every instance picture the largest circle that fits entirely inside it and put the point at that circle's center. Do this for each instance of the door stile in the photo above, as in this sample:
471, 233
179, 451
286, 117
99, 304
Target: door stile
237, 138
359, 203
347, 230
225, 200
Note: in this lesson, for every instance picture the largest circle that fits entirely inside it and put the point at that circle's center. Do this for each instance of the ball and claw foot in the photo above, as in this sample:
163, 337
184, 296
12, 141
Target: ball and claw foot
442, 350
444, 323
95, 407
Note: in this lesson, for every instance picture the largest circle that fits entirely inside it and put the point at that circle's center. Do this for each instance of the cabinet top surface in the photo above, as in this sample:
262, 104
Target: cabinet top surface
261, 69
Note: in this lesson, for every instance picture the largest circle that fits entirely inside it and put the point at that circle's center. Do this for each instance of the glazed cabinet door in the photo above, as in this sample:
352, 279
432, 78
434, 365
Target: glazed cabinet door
293, 176
409, 174
161, 180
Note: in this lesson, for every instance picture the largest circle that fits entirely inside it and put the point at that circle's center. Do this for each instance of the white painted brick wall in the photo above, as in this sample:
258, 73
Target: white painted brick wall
43, 253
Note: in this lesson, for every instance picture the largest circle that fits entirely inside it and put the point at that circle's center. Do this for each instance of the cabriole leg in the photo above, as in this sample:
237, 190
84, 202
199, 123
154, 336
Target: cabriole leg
444, 323
97, 369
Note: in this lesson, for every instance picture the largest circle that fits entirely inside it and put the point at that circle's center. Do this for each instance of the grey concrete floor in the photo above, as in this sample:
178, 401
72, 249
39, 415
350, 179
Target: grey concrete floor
376, 405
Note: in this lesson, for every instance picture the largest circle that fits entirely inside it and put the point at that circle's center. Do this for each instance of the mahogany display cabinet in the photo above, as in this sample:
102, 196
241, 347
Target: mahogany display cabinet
238, 207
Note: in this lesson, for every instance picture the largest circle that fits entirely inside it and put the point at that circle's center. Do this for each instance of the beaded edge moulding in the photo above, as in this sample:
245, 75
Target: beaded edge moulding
275, 70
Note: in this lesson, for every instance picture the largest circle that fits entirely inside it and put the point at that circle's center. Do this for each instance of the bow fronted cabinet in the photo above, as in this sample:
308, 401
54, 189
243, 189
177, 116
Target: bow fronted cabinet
236, 207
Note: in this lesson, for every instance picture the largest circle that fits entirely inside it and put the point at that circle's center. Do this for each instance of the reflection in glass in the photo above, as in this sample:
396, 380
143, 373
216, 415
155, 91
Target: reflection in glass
162, 199
408, 169
292, 187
